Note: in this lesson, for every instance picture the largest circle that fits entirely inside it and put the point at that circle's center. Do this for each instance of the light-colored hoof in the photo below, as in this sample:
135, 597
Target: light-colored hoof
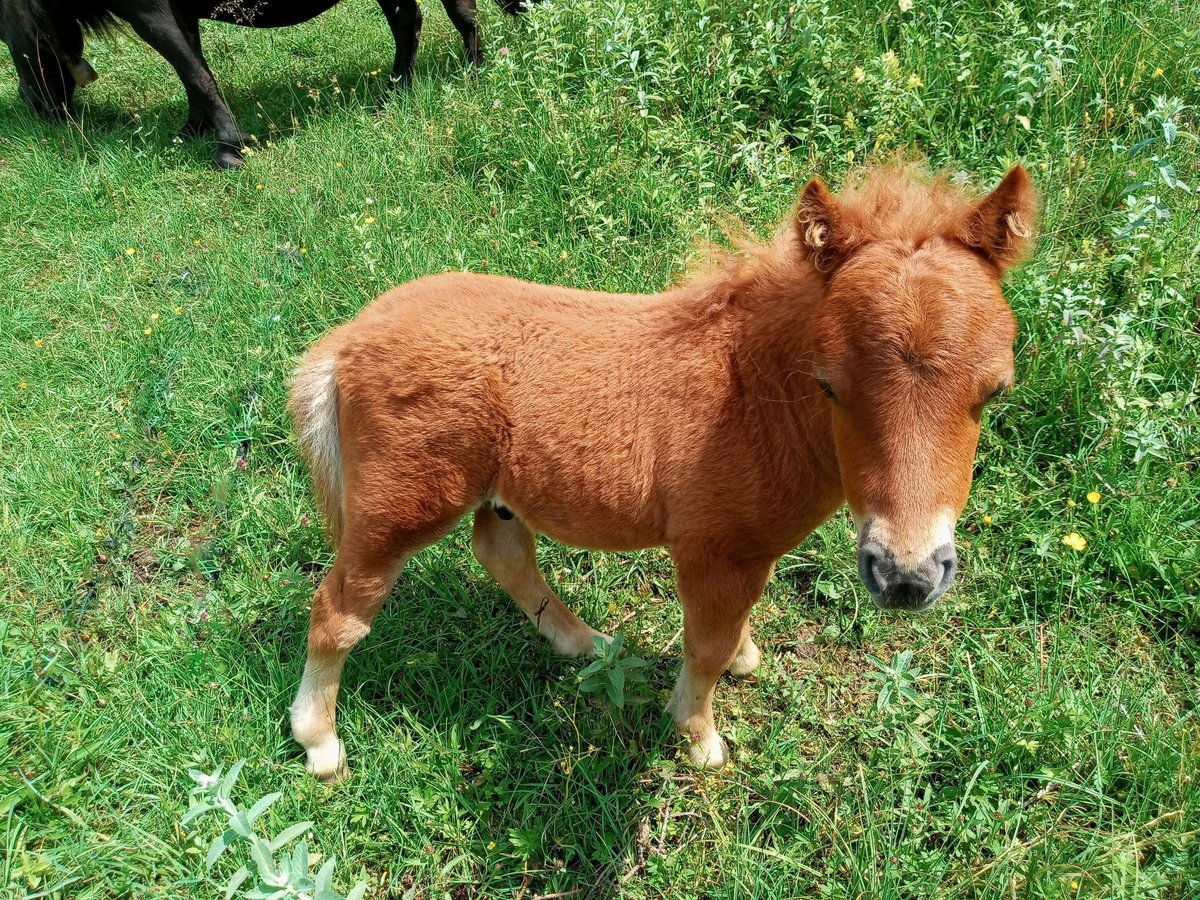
327, 761
708, 751
580, 644
748, 660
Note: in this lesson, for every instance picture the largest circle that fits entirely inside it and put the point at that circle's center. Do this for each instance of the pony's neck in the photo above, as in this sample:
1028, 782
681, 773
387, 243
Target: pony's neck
774, 341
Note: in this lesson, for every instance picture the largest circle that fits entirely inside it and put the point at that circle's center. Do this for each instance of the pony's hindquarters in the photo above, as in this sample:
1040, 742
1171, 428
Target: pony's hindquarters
313, 403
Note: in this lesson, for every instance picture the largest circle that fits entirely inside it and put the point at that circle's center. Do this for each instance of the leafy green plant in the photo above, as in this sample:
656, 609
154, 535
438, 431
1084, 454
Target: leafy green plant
612, 674
281, 875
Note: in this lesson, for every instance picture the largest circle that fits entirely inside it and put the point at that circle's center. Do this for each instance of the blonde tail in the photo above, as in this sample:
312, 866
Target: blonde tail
313, 404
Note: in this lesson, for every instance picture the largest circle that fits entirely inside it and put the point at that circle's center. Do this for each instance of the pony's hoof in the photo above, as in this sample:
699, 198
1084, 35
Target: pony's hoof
327, 762
228, 158
707, 751
748, 659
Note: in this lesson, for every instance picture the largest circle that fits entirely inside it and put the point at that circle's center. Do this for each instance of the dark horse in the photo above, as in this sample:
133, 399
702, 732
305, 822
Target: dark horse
46, 39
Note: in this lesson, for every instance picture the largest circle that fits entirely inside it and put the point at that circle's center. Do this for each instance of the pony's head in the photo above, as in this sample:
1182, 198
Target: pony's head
913, 337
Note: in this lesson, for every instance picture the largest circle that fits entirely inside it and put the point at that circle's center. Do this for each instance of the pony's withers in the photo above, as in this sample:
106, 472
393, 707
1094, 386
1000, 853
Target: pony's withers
848, 360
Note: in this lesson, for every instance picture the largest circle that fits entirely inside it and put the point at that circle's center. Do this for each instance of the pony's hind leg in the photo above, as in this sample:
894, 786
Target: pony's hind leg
368, 562
505, 547
342, 612
462, 14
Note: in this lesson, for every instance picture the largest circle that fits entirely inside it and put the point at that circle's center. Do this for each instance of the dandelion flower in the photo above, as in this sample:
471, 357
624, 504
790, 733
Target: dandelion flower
987, 520
303, 250
338, 165
130, 251
258, 187
1158, 73
147, 331
37, 342
612, 607
1075, 541
370, 220
1093, 497
24, 385
153, 317
178, 310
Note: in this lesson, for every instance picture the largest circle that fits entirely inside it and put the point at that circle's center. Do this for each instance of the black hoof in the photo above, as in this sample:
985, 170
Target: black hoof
228, 158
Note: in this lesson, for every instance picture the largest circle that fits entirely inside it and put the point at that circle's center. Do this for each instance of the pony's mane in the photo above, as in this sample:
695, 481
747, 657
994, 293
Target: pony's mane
894, 201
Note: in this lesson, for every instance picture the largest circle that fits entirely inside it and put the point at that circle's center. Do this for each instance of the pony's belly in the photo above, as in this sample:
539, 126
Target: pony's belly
263, 13
585, 525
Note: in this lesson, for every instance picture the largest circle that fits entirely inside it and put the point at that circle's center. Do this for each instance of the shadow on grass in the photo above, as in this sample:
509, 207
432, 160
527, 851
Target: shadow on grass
473, 754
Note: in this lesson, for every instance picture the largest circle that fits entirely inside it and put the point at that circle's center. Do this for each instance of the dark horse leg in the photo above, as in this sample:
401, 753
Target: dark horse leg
404, 18
159, 27
198, 121
462, 14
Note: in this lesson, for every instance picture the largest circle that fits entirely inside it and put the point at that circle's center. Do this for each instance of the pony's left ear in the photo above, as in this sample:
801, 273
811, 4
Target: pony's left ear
825, 233
1000, 225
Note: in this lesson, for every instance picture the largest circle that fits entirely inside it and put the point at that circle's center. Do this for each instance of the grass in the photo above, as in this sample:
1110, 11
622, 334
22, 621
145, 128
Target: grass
158, 544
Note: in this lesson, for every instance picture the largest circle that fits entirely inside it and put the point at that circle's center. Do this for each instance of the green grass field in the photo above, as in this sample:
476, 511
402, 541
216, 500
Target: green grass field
159, 545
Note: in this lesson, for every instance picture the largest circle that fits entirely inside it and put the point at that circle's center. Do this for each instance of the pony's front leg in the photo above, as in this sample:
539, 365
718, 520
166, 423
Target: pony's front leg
717, 596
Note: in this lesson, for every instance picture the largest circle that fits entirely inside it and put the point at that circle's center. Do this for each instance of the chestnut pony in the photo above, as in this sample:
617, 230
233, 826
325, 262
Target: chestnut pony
848, 360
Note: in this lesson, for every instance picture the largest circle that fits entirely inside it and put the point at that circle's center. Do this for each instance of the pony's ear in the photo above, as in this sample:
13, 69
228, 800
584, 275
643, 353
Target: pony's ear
821, 227
1000, 225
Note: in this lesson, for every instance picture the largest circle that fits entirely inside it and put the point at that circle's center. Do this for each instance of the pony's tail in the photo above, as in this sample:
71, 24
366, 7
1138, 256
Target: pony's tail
313, 404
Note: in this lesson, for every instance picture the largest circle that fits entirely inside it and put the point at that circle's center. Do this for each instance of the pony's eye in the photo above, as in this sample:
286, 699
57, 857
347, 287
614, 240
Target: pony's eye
826, 389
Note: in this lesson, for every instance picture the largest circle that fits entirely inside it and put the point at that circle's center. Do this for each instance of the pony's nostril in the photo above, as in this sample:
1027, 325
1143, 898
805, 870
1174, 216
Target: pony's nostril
869, 571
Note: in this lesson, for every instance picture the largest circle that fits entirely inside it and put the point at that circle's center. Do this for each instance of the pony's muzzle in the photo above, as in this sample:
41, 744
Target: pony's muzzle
911, 587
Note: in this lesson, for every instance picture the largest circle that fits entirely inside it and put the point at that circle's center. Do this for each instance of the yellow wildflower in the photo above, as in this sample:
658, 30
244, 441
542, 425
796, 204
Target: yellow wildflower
1075, 541
1070, 504
859, 75
24, 385
1158, 73
906, 5
178, 310
612, 607
914, 82
370, 220
147, 331
153, 317
987, 520
258, 187
303, 250
338, 165
491, 845
130, 251
37, 342
1093, 497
